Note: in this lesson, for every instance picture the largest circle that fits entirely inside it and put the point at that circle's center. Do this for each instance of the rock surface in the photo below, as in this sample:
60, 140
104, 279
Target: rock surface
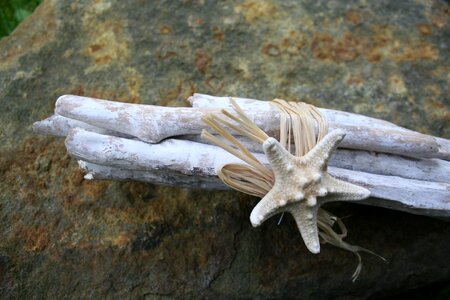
63, 237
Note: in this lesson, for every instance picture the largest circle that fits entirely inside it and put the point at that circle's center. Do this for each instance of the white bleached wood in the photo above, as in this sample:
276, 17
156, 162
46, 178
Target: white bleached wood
163, 176
380, 186
60, 126
433, 169
413, 196
419, 197
105, 139
149, 123
333, 116
444, 148
371, 162
186, 157
152, 124
427, 169
363, 132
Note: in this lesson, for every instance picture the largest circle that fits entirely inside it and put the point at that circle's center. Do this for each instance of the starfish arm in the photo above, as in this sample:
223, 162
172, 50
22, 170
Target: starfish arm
306, 218
342, 190
279, 158
266, 207
320, 154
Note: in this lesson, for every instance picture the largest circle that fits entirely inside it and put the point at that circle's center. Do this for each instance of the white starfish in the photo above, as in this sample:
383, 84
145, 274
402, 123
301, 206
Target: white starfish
302, 184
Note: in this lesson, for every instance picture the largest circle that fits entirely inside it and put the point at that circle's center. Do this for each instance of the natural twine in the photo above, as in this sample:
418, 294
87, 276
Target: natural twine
298, 122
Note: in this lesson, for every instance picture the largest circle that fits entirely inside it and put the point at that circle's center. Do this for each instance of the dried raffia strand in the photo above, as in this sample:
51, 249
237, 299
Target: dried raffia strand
320, 118
247, 178
296, 120
301, 116
254, 179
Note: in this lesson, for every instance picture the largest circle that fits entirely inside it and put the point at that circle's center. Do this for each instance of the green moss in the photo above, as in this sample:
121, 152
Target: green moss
12, 12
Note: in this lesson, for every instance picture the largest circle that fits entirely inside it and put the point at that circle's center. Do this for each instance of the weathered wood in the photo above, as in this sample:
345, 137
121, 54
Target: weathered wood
60, 126
163, 176
349, 121
333, 116
102, 134
153, 123
381, 132
427, 169
177, 155
371, 162
178, 159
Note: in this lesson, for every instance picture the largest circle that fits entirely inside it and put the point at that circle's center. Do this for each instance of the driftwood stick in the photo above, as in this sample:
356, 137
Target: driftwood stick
152, 124
427, 169
370, 162
163, 176
333, 116
186, 157
111, 141
353, 123
380, 186
413, 196
149, 123
60, 126
178, 160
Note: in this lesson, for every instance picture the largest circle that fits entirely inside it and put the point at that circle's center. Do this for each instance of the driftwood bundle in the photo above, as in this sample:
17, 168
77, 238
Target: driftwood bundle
402, 169
398, 168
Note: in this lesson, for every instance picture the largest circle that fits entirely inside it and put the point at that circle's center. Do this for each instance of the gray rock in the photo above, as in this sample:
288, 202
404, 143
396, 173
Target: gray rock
63, 237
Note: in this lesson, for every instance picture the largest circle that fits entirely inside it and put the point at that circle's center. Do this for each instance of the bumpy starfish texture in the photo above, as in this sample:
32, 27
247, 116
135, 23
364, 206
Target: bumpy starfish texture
302, 184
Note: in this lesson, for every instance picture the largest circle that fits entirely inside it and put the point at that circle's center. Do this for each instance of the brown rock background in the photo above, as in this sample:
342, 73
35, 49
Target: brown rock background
63, 237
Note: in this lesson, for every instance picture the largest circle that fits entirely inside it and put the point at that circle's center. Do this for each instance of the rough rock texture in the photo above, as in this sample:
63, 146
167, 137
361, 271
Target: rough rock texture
63, 237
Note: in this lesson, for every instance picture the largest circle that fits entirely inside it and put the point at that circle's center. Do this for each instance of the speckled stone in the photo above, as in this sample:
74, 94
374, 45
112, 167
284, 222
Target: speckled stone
63, 237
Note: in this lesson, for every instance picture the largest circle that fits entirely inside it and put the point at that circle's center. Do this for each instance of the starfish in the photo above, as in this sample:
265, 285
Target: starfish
302, 184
